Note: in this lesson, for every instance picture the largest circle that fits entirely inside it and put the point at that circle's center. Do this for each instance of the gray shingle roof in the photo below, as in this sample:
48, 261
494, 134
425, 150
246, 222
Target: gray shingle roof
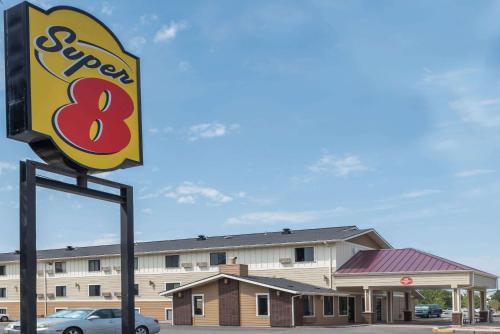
179, 245
301, 288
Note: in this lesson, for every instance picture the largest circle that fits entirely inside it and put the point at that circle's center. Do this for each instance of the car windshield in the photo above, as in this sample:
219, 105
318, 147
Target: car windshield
71, 314
422, 307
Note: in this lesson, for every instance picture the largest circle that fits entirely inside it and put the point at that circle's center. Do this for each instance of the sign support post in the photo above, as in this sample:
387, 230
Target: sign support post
28, 260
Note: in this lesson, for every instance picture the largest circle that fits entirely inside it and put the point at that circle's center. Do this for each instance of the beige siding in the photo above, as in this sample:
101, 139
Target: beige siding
393, 280
211, 305
316, 276
248, 306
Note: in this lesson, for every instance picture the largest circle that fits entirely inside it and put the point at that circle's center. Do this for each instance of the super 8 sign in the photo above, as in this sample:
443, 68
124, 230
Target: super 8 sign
73, 92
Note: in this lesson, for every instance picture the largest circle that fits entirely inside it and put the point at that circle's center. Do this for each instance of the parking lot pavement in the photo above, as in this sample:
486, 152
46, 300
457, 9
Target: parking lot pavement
166, 329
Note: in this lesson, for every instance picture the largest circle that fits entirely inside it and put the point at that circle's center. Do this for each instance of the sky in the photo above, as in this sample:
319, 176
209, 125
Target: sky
260, 115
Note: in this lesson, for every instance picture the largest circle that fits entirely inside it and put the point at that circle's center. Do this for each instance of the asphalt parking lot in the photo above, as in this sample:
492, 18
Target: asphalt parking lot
166, 329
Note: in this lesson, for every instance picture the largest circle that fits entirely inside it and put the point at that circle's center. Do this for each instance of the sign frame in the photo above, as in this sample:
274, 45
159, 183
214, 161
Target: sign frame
18, 90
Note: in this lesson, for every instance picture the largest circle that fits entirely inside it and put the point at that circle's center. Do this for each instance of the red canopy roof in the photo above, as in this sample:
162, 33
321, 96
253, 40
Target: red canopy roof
398, 261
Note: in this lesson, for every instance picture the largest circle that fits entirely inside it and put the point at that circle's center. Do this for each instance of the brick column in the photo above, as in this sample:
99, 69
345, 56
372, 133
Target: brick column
457, 317
407, 313
368, 315
483, 313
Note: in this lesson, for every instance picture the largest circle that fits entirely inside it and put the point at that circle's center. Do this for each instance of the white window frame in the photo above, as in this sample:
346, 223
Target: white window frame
4, 270
6, 293
165, 284
58, 309
313, 315
257, 304
202, 295
100, 290
305, 261
171, 309
65, 290
64, 265
137, 309
6, 310
348, 309
333, 307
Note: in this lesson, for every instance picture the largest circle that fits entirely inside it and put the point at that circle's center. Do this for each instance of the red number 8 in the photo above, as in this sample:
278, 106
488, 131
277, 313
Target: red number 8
73, 121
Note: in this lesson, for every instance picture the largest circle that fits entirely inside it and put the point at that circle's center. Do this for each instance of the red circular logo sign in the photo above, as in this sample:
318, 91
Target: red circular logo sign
406, 280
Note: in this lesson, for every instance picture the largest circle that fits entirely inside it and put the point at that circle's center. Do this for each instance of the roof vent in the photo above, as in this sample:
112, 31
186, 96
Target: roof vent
286, 231
201, 237
70, 248
17, 251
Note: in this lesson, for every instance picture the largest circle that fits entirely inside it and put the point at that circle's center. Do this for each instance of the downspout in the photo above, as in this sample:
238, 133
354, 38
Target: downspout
293, 309
45, 288
330, 267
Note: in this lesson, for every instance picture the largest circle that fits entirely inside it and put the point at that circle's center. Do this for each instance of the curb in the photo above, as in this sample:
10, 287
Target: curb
443, 330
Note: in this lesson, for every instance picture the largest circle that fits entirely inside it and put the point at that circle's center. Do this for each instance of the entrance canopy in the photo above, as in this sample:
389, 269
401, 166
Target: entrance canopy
409, 268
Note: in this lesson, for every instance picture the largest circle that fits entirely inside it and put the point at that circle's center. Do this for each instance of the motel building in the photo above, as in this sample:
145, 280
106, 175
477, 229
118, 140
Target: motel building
318, 277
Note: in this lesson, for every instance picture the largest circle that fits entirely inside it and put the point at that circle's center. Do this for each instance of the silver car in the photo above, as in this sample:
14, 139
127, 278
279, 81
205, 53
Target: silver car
88, 321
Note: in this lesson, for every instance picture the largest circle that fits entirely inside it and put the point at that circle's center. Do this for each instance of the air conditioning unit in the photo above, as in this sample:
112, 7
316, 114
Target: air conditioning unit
202, 264
51, 296
187, 265
107, 294
40, 272
49, 271
118, 294
106, 269
285, 260
117, 268
40, 295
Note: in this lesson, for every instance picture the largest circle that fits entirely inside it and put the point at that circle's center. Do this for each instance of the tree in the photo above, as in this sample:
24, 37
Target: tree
434, 296
496, 296
465, 301
494, 304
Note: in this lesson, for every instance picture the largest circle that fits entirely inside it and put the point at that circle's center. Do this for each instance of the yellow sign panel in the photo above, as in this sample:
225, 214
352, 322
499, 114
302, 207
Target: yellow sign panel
83, 89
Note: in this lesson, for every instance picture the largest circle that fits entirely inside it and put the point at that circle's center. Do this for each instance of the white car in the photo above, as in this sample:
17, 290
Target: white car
4, 317
88, 321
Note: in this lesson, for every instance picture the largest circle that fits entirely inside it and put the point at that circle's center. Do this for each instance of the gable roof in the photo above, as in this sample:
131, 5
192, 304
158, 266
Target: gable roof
216, 242
407, 260
281, 284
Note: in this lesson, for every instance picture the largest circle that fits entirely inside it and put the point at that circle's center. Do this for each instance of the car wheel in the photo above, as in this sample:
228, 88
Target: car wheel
4, 319
142, 330
73, 330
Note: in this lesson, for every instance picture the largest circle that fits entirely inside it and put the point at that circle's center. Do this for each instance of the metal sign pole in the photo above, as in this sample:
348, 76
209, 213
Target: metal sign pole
27, 193
28, 259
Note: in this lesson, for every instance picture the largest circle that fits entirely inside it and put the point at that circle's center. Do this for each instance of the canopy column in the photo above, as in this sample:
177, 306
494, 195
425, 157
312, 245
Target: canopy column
470, 306
457, 317
483, 312
407, 313
368, 315
390, 303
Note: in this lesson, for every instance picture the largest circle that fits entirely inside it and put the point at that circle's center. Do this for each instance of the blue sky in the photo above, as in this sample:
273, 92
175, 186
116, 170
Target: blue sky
259, 115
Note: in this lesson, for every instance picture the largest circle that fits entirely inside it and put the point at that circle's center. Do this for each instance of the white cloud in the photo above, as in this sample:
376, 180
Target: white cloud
6, 188
479, 111
136, 43
473, 172
421, 193
107, 9
169, 32
339, 166
148, 18
7, 166
190, 193
153, 131
210, 130
184, 66
147, 211
289, 217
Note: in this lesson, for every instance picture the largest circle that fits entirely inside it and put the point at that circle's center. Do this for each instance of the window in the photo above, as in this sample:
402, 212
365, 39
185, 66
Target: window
304, 254
2, 271
94, 265
136, 289
170, 286
60, 267
262, 304
137, 310
343, 306
104, 314
328, 305
172, 261
198, 305
94, 290
3, 292
217, 258
136, 263
308, 304
169, 314
59, 309
3, 311
60, 291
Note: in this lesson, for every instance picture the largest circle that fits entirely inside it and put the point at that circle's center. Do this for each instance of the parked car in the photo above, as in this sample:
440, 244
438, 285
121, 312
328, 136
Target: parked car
4, 317
428, 310
87, 321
